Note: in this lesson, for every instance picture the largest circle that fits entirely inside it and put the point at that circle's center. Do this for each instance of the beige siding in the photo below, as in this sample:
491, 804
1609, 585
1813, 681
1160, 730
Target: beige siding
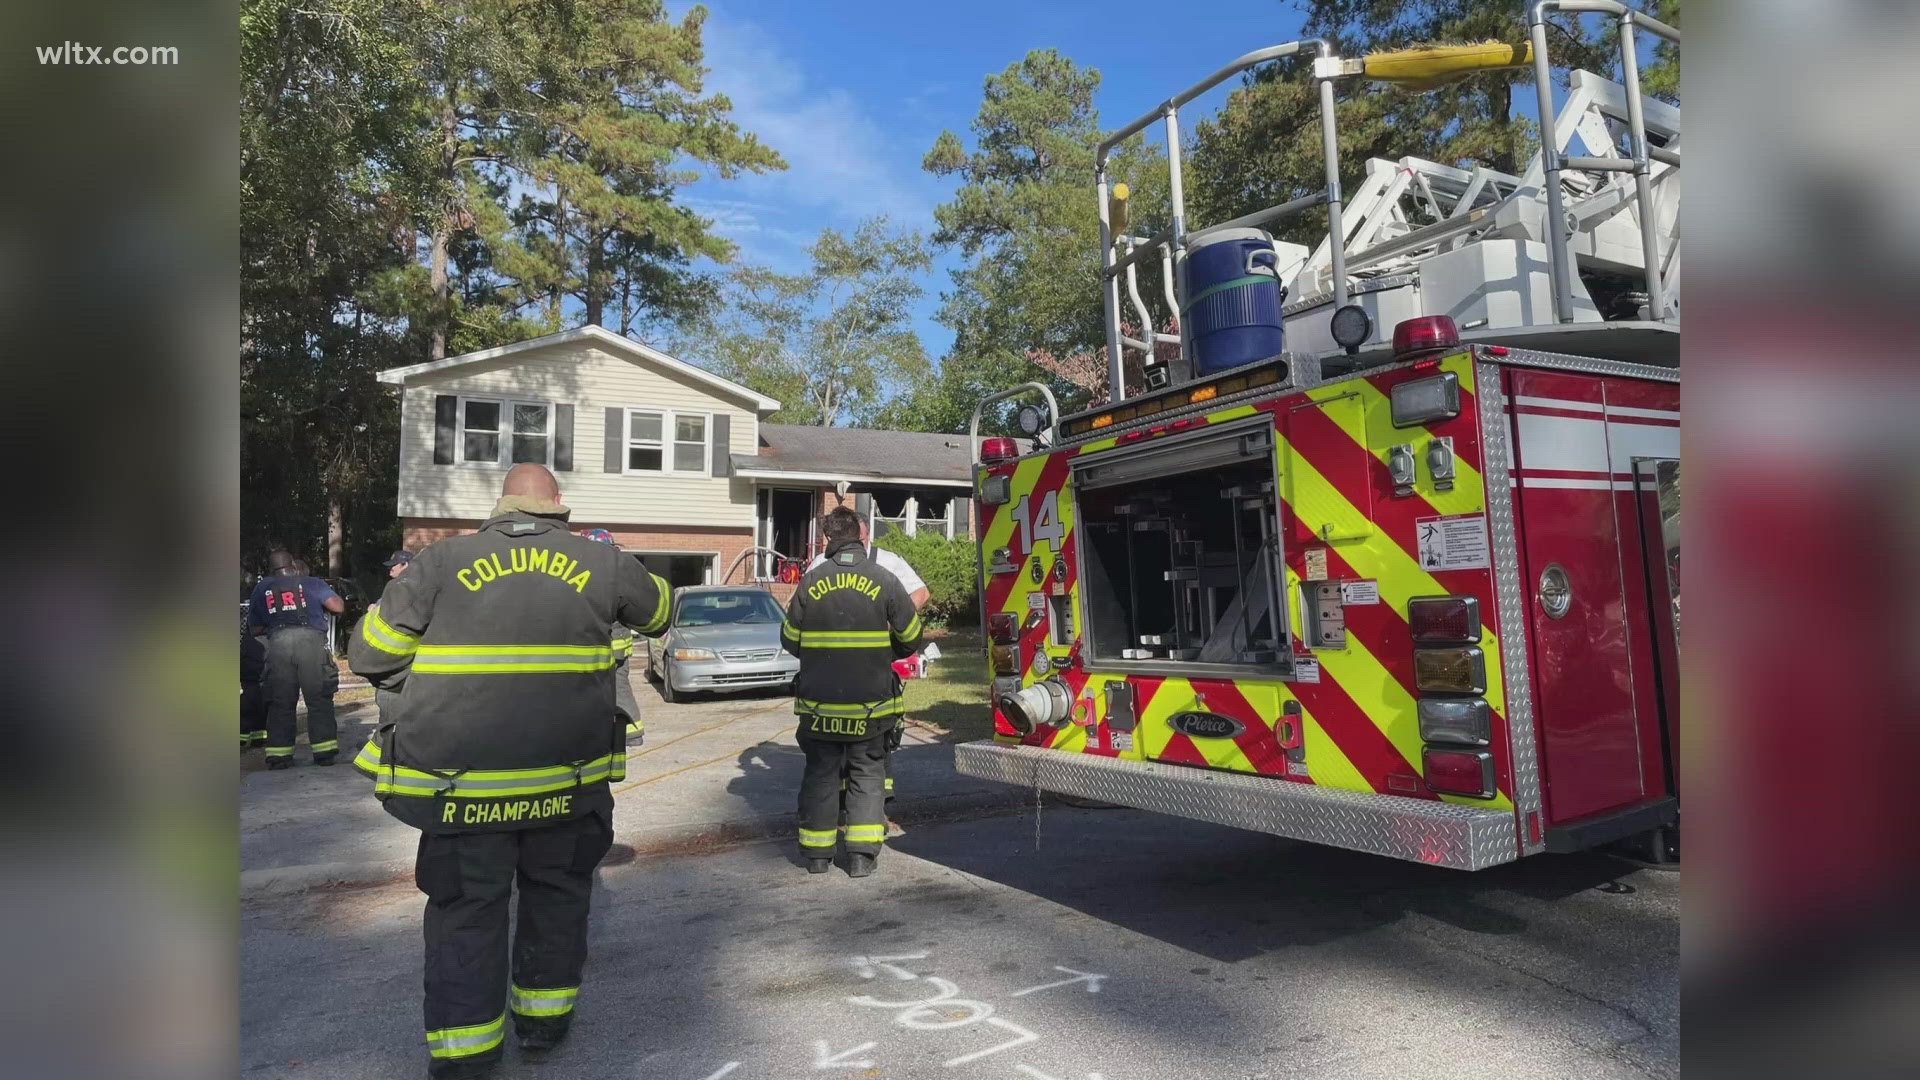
591, 379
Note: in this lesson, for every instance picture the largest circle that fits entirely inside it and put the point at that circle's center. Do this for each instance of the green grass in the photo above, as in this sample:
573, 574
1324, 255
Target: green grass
953, 697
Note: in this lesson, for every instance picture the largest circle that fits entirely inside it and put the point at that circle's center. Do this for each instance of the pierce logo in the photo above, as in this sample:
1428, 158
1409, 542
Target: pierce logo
1206, 725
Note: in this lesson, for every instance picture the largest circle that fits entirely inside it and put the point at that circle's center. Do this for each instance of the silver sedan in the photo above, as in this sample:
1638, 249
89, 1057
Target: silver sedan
721, 637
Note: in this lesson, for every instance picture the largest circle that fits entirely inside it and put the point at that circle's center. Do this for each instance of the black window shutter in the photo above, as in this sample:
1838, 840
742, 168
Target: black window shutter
722, 462
616, 440
446, 427
961, 512
563, 438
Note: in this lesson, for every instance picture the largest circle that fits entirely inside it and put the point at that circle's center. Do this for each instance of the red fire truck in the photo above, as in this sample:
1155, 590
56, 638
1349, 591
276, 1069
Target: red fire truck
1411, 585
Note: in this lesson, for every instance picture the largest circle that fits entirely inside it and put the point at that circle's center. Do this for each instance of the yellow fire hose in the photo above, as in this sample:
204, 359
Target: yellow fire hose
1427, 67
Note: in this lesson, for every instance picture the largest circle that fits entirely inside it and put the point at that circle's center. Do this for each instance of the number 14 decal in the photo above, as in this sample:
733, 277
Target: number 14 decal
1036, 525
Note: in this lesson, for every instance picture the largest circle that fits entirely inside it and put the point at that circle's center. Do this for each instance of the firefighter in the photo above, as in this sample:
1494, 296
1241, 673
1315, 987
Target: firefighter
504, 758
253, 696
623, 702
291, 608
849, 619
916, 587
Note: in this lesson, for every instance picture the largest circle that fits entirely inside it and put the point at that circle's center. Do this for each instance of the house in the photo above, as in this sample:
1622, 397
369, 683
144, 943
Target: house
678, 463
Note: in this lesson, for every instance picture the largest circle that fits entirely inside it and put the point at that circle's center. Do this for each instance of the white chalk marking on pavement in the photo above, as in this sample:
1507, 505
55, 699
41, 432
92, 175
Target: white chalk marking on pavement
869, 966
976, 1011
1092, 981
1021, 1037
725, 1070
1028, 1070
823, 1059
947, 990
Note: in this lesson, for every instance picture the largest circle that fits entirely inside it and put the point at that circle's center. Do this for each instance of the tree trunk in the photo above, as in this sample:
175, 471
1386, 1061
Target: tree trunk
442, 233
1499, 110
592, 293
336, 536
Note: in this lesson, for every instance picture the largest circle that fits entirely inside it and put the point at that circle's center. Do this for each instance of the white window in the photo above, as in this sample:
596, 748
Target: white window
690, 443
499, 432
662, 441
479, 430
532, 433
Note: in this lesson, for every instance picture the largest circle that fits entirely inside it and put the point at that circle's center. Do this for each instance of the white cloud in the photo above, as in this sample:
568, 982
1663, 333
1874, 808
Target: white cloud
841, 166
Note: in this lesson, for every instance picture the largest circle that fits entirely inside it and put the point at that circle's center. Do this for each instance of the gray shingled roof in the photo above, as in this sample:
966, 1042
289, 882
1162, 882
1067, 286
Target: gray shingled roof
858, 452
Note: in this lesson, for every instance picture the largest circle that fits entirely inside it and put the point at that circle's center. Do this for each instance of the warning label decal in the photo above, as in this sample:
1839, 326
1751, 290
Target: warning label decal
1453, 543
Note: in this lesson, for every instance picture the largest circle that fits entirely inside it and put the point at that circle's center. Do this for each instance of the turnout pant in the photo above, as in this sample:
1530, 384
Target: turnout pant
299, 662
863, 765
253, 714
468, 878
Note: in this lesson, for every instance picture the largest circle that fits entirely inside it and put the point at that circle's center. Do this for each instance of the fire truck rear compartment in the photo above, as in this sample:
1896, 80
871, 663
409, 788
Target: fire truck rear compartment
1178, 555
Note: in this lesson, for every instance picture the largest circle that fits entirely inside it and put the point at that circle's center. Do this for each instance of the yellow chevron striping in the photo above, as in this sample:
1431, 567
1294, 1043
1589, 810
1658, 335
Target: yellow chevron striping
1399, 574
1376, 432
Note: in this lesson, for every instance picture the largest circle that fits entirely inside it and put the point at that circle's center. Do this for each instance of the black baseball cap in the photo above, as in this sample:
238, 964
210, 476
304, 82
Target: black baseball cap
399, 558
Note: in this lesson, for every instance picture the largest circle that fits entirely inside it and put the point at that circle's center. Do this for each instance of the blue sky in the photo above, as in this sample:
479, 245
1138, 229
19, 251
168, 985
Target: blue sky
853, 94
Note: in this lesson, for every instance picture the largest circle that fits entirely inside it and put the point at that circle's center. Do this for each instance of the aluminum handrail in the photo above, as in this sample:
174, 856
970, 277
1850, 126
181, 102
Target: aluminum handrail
973, 428
1252, 59
1326, 69
1552, 161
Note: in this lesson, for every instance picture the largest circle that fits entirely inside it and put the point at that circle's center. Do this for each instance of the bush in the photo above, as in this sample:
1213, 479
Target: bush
949, 568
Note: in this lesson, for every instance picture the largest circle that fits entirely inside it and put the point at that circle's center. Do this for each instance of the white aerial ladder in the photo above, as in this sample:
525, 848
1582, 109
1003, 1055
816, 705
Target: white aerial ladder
1417, 237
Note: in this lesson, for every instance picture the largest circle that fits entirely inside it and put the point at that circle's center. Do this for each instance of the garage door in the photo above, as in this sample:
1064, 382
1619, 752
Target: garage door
679, 569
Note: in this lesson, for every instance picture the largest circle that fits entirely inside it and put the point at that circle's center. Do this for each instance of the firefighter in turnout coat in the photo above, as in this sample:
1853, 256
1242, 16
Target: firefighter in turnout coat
849, 619
503, 757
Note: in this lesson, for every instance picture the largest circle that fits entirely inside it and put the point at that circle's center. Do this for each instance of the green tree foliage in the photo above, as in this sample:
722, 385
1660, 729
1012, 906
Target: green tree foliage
949, 567
831, 343
1025, 219
330, 169
420, 178
611, 126
1263, 148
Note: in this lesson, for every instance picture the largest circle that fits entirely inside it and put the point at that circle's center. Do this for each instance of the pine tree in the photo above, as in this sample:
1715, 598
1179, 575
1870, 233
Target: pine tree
833, 343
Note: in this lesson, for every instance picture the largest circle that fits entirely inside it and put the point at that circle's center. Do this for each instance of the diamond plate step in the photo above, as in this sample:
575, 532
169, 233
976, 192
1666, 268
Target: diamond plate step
1419, 830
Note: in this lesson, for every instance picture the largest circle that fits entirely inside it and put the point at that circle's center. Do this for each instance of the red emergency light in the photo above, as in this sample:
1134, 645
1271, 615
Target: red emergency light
1427, 333
1459, 772
998, 449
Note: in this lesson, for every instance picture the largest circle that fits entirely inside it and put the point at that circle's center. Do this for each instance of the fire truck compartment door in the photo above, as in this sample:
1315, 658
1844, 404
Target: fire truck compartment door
1208, 448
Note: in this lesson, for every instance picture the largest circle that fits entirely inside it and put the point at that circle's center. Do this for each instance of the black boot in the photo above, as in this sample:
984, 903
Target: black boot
540, 1034
463, 1070
279, 763
819, 866
324, 759
859, 865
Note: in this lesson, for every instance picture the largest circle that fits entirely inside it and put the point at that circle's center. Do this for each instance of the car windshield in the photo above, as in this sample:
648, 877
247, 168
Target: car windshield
727, 608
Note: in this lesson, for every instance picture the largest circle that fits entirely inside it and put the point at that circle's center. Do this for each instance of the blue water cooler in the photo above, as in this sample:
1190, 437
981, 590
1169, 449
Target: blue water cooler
1234, 298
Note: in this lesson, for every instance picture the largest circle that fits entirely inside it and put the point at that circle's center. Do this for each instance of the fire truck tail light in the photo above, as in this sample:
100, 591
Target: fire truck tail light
1460, 670
998, 449
1459, 772
1003, 627
1467, 721
1006, 660
1426, 333
1422, 401
1444, 620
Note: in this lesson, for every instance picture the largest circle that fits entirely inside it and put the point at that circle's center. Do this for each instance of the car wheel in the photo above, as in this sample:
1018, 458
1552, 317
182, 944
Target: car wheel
666, 686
